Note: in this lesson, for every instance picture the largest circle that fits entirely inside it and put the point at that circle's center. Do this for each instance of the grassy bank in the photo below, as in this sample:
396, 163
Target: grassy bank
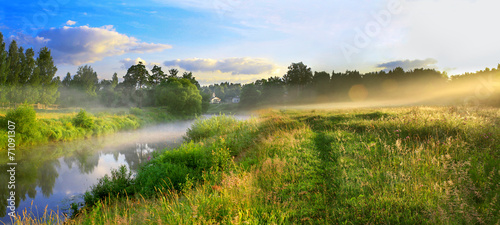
380, 166
45, 126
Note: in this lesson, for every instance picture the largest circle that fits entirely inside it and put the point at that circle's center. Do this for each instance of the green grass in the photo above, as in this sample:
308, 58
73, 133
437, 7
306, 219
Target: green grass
418, 165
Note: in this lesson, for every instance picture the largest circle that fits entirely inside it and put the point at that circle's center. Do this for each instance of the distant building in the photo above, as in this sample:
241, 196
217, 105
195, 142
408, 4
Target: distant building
236, 99
214, 99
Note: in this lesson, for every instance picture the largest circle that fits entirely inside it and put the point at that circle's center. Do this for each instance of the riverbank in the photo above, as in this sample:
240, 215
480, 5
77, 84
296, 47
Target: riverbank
404, 166
35, 128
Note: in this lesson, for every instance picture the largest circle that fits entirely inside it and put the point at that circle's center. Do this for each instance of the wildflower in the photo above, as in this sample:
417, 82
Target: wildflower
149, 157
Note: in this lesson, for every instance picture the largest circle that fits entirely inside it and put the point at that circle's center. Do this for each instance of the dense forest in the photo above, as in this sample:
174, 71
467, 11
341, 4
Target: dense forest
26, 79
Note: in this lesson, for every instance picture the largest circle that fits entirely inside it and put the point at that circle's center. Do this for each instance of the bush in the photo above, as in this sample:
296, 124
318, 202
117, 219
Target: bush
205, 128
157, 176
84, 120
120, 183
25, 118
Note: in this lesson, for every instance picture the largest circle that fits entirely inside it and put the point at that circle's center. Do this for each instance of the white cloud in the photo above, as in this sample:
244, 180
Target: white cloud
70, 22
84, 44
127, 63
234, 66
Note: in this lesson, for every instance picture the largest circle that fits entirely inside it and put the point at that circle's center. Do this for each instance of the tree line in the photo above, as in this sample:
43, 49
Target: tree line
24, 78
181, 94
301, 85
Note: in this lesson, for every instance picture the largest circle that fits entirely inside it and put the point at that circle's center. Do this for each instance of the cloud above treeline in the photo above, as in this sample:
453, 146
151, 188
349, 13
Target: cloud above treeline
84, 44
408, 64
234, 66
128, 62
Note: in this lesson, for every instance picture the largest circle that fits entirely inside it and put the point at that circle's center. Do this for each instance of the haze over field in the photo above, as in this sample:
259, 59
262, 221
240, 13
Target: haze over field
240, 41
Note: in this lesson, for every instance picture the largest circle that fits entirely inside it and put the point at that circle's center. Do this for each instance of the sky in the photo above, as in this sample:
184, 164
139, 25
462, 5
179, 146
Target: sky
240, 41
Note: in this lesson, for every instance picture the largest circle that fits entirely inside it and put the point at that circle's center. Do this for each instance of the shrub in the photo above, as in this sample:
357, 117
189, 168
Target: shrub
119, 183
205, 128
25, 118
157, 176
84, 120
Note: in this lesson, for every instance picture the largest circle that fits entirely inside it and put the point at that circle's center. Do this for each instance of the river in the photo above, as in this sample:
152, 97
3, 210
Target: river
55, 175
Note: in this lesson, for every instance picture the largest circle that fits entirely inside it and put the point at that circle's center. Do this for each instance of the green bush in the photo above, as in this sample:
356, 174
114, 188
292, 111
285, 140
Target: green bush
84, 120
24, 118
156, 176
215, 125
119, 183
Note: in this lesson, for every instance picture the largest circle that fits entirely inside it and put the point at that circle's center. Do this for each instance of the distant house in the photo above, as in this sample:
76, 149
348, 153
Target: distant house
236, 99
214, 100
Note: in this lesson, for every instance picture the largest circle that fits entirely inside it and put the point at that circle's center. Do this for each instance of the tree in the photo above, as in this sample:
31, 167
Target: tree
14, 63
86, 80
321, 82
173, 72
3, 61
67, 80
114, 80
273, 89
137, 76
157, 75
46, 68
298, 76
250, 95
28, 65
191, 78
180, 96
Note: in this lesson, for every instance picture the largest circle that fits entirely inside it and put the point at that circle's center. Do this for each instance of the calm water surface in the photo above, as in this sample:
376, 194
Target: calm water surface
56, 175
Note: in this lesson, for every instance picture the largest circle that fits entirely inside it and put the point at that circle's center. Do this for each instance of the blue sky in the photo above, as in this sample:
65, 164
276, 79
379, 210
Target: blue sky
240, 41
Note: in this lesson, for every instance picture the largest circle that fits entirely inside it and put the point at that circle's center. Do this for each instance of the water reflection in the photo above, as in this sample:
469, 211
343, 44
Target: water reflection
55, 175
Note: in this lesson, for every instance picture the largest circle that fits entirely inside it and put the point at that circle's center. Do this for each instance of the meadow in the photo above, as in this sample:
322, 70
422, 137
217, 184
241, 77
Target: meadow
408, 165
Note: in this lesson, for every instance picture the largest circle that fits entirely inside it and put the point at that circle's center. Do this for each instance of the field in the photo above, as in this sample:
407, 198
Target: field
415, 165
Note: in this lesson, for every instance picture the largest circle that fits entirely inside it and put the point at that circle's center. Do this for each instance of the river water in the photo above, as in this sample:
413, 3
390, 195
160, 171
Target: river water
58, 174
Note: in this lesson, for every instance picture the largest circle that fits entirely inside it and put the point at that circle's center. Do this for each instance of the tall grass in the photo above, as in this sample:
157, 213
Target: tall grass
374, 166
